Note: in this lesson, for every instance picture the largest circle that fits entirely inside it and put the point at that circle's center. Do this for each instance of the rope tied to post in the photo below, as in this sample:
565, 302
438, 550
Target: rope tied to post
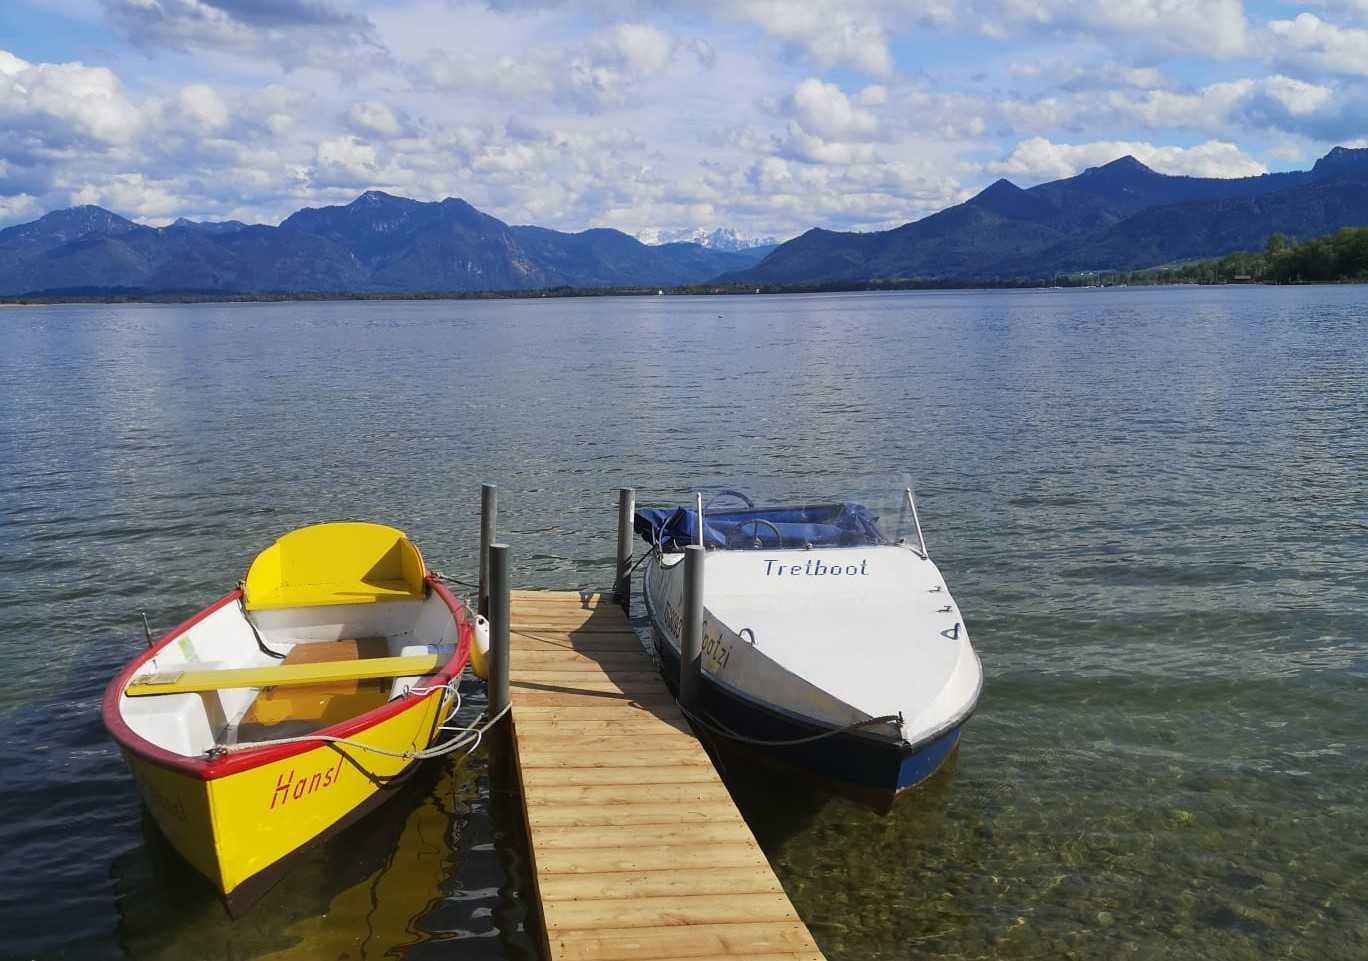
716, 727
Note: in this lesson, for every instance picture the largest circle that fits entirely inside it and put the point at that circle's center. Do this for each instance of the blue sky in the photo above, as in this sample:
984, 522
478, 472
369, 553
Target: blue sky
658, 117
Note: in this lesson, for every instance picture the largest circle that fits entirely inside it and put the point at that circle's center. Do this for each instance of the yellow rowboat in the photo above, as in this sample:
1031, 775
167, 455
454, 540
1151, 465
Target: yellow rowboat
291, 706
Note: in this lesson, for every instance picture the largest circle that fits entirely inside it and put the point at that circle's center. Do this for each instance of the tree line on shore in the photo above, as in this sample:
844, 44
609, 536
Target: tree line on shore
1341, 257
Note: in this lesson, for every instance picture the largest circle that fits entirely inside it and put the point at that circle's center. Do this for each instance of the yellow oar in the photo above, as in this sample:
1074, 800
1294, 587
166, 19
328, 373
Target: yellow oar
182, 682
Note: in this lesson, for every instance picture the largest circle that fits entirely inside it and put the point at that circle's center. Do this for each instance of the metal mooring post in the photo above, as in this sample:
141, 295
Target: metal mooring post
691, 642
622, 583
498, 627
489, 509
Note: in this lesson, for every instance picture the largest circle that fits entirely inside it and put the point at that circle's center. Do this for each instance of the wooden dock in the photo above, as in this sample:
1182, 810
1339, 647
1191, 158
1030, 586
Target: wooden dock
638, 850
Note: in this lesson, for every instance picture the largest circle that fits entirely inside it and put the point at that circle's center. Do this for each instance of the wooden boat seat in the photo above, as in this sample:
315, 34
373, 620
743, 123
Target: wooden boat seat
312, 706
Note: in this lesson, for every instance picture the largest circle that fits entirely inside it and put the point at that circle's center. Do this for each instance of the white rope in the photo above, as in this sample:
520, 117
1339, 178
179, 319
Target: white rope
468, 735
449, 687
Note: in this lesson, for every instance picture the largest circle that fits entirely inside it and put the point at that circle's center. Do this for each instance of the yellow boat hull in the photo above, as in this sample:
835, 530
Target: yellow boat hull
238, 827
238, 815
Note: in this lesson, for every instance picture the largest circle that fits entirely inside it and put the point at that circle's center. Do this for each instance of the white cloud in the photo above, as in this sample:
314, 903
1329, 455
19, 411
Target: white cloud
371, 117
347, 162
645, 50
1311, 41
851, 34
18, 208
203, 107
602, 71
49, 106
133, 194
1037, 159
824, 109
1300, 98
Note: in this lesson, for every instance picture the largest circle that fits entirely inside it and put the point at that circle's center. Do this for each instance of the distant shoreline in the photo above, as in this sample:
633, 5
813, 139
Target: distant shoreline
153, 299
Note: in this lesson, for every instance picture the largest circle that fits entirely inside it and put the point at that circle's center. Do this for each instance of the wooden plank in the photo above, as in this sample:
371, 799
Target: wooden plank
608, 734
578, 629
562, 598
640, 722
649, 912
673, 941
627, 758
628, 710
650, 687
597, 643
676, 882
613, 680
663, 811
696, 836
280, 675
687, 774
610, 796
645, 856
569, 698
570, 747
572, 660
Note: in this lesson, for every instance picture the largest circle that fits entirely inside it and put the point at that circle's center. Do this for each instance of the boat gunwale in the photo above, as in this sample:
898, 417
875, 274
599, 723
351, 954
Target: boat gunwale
207, 769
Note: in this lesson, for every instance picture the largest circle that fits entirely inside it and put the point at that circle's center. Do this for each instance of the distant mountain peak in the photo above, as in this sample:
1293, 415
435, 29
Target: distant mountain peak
1342, 160
1121, 166
59, 226
377, 198
1006, 199
1002, 187
719, 238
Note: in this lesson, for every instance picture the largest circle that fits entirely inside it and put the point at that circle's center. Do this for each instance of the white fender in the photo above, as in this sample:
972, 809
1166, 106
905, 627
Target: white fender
479, 651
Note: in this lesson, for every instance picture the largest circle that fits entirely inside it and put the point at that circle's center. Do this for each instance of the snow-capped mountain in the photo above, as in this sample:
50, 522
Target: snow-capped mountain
720, 238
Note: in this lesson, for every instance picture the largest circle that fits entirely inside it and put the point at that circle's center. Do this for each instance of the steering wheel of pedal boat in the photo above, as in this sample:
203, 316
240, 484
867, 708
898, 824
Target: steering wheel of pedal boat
756, 522
728, 493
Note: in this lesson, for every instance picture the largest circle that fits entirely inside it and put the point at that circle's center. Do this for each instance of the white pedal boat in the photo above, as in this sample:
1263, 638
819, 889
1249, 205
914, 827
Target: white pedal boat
816, 626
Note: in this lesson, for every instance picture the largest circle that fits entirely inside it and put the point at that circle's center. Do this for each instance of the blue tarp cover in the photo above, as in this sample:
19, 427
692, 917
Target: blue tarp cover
820, 525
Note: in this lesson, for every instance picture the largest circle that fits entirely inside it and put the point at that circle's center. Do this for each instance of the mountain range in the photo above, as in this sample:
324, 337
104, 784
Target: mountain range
1119, 216
378, 243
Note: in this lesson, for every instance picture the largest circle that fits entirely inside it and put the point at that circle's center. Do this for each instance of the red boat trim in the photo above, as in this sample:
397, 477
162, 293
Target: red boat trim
207, 770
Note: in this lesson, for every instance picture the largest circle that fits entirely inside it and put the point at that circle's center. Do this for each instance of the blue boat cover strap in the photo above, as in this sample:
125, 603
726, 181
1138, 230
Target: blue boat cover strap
819, 525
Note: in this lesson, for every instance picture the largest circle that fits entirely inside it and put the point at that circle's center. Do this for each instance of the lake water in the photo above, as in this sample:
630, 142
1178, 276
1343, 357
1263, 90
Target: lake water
1151, 504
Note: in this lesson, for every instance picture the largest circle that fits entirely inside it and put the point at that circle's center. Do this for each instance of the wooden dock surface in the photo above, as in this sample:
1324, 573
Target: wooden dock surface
638, 851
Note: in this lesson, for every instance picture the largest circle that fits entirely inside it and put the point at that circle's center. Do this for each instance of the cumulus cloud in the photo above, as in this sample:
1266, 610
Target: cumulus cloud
824, 109
603, 71
1311, 41
54, 107
1038, 159
201, 105
851, 35
374, 118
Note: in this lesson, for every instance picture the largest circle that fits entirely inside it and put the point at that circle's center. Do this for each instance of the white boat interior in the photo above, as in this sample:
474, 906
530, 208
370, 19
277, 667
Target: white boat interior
231, 637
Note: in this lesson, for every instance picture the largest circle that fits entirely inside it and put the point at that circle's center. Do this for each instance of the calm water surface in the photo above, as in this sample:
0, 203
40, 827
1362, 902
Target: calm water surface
1151, 505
